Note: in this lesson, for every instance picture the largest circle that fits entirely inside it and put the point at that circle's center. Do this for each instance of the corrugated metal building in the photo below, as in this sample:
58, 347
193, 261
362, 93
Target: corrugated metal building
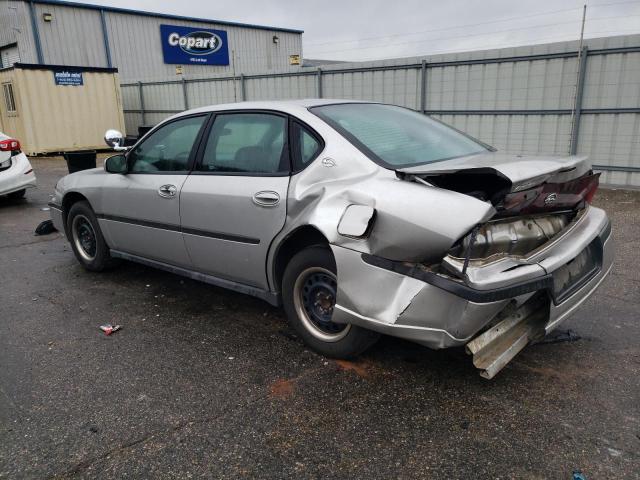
66, 33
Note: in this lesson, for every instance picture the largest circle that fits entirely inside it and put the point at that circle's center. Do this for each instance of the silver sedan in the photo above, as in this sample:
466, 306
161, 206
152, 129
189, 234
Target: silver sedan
359, 218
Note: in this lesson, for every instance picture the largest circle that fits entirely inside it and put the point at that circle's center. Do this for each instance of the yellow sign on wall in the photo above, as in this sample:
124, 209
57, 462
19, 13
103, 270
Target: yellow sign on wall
294, 59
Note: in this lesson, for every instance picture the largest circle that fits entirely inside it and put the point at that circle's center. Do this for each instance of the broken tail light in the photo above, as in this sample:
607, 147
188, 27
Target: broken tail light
552, 196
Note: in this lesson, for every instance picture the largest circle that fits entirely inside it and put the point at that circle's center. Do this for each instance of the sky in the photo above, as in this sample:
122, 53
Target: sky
358, 30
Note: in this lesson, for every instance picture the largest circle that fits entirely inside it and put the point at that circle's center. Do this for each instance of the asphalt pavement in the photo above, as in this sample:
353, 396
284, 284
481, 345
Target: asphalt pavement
202, 382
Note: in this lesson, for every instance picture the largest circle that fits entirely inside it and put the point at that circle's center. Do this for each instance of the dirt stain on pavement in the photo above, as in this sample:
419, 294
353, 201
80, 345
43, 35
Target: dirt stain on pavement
360, 368
281, 388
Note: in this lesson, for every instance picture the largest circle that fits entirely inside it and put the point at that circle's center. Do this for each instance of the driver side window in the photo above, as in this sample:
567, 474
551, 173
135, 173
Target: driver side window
168, 148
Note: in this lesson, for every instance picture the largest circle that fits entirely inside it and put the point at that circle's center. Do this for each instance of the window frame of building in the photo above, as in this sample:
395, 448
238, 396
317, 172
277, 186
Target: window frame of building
8, 94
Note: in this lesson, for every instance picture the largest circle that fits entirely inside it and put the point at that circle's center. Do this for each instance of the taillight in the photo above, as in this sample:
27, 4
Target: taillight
9, 145
591, 187
551, 196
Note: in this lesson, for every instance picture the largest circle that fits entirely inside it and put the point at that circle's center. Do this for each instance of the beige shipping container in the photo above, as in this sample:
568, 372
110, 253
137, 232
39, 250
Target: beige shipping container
47, 117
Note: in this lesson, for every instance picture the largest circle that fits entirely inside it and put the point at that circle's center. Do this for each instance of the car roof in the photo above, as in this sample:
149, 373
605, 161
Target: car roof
287, 106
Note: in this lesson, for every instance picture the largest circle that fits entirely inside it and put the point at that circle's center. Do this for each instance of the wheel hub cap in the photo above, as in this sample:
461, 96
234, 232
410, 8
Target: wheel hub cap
318, 300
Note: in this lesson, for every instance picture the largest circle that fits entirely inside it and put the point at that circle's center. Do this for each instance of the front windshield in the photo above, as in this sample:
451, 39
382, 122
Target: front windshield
397, 137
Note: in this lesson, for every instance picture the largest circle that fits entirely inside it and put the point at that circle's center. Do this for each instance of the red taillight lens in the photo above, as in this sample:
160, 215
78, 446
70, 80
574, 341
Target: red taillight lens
552, 196
591, 187
9, 145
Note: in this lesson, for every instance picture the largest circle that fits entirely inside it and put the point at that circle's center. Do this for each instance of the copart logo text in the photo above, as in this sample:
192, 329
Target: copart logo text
196, 43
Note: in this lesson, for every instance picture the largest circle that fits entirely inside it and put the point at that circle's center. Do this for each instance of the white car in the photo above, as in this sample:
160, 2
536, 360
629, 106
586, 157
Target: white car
16, 173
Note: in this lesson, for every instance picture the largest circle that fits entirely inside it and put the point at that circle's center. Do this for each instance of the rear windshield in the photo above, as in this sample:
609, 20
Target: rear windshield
397, 137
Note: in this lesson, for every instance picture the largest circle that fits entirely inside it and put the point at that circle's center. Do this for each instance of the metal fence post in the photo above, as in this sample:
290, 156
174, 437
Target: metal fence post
577, 111
185, 97
423, 86
319, 83
243, 93
141, 96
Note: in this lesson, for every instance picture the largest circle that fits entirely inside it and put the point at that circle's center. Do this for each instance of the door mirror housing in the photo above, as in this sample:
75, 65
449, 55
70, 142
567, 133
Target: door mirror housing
116, 164
115, 139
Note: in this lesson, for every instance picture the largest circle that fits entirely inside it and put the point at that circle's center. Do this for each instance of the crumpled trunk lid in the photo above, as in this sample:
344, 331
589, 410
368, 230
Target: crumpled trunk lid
522, 172
513, 184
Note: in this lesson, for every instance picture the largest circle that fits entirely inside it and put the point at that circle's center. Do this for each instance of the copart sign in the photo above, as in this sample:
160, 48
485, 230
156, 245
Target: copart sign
187, 45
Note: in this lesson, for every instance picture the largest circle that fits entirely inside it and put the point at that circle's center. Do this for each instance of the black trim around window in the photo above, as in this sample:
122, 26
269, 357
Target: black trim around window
200, 144
297, 165
204, 138
192, 154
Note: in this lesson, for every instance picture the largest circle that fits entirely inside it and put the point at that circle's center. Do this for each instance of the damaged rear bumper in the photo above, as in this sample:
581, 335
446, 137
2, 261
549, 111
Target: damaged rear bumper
438, 311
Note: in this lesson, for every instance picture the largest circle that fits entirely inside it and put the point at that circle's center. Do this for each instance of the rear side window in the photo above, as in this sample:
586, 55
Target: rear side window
167, 149
306, 146
247, 143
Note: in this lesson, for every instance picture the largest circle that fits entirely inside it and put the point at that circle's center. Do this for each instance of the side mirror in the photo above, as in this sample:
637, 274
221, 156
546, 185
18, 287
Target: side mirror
114, 139
116, 164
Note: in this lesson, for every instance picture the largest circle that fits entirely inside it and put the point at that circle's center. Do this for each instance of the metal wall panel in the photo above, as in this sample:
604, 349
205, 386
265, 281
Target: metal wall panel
540, 84
136, 49
280, 88
612, 81
400, 87
15, 26
164, 97
520, 134
73, 37
130, 97
201, 94
131, 122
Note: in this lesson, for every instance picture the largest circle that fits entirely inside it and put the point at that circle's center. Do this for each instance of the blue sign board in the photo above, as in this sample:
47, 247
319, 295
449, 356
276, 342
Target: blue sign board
200, 46
65, 77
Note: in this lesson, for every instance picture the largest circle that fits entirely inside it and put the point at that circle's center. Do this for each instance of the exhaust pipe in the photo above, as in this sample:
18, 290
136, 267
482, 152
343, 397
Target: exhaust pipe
496, 347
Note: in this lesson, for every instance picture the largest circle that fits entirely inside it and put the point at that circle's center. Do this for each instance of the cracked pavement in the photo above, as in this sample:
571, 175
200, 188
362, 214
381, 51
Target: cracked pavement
202, 382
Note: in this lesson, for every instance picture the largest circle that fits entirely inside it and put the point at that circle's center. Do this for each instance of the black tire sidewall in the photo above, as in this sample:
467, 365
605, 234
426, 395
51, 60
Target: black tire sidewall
355, 342
102, 259
18, 194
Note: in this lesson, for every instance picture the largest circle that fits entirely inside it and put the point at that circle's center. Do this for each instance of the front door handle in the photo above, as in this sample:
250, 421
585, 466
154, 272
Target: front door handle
167, 191
266, 198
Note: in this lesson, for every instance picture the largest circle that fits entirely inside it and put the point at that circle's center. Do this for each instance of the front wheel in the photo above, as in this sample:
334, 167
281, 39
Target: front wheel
309, 289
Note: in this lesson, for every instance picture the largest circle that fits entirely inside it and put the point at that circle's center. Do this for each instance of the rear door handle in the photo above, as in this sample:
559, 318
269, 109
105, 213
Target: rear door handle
167, 191
266, 198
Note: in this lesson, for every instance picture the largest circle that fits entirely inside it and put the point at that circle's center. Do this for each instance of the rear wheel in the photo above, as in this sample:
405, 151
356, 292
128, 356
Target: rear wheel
86, 238
309, 289
17, 195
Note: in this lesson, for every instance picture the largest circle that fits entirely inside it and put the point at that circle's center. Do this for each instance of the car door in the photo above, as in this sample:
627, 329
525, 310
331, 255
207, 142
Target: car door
234, 202
141, 210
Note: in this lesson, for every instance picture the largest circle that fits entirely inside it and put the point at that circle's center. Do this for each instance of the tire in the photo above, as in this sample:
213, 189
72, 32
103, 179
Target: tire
85, 236
17, 195
309, 285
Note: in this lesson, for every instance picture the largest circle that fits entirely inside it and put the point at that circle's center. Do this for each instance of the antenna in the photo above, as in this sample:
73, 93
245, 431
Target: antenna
578, 70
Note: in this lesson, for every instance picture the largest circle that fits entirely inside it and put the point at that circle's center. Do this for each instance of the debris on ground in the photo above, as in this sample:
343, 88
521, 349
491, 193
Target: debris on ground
577, 475
45, 228
559, 337
108, 329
